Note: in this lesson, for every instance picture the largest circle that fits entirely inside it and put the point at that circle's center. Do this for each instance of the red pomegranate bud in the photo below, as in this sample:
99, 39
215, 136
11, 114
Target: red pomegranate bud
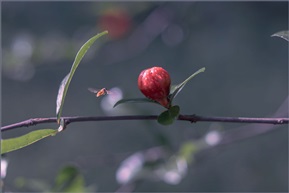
155, 84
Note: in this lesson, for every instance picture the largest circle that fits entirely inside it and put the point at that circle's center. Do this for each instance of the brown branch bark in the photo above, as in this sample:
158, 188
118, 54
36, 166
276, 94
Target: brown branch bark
190, 118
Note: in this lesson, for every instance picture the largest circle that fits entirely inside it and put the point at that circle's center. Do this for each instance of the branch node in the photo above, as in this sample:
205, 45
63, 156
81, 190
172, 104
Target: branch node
30, 122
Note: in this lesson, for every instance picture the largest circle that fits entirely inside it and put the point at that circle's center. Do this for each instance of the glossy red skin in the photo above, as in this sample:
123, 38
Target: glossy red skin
155, 84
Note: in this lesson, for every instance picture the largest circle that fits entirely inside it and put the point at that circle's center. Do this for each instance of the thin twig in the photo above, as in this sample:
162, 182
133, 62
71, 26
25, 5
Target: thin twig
190, 118
195, 118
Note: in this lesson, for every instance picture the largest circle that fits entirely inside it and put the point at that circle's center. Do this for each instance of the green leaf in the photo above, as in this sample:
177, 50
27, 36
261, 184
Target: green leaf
177, 88
167, 117
174, 110
135, 100
66, 81
69, 179
8, 145
282, 34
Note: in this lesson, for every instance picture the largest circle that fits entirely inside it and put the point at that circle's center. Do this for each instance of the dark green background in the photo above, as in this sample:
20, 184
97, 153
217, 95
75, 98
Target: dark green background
246, 75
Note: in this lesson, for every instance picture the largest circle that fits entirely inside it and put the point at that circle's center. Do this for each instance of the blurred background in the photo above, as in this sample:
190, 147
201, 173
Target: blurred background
246, 75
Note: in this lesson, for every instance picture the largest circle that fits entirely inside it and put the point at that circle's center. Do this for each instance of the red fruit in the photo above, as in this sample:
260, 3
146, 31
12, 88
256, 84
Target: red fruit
155, 84
116, 21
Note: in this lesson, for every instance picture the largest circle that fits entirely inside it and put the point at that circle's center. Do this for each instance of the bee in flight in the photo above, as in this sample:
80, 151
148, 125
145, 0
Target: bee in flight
99, 92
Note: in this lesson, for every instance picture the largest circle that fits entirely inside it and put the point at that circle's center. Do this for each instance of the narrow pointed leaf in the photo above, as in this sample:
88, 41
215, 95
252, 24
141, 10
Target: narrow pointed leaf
8, 145
173, 88
282, 34
61, 95
66, 81
177, 88
135, 100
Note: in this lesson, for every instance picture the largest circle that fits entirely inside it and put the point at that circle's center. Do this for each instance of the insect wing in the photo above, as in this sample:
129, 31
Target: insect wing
100, 92
95, 91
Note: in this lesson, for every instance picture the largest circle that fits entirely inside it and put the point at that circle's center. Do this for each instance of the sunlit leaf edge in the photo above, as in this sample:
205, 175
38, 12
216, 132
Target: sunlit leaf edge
12, 144
61, 94
282, 34
80, 54
134, 100
177, 88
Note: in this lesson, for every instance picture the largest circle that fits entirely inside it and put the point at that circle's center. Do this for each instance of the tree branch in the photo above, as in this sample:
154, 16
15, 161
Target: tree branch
190, 118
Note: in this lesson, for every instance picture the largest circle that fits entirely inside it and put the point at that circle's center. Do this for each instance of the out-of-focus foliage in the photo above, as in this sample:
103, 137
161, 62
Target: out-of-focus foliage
246, 75
68, 179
